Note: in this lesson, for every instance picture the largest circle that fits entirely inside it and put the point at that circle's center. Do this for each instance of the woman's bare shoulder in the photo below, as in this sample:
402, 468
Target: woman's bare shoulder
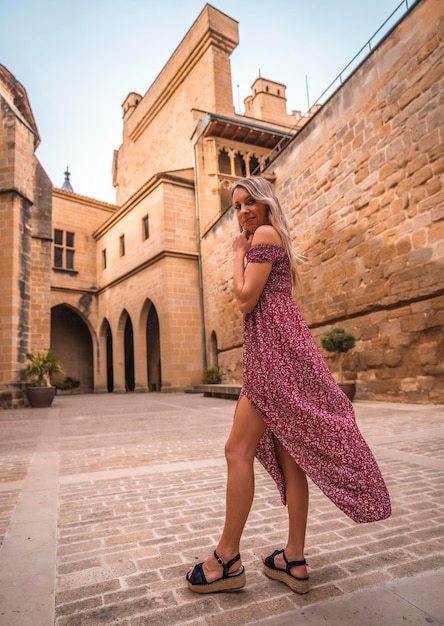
267, 234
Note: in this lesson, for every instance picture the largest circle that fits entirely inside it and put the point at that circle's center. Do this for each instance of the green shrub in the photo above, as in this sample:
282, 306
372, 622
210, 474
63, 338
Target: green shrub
339, 341
67, 384
211, 376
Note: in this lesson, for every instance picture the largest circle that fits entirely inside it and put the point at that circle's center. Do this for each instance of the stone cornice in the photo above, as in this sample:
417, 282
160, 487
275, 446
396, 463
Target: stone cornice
75, 290
164, 254
15, 192
139, 195
85, 200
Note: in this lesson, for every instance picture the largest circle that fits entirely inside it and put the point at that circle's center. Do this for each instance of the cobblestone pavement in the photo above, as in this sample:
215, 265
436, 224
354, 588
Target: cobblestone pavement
106, 500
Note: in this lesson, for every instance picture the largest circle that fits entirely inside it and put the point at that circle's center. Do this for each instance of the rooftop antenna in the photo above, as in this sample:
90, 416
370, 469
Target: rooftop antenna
238, 100
308, 97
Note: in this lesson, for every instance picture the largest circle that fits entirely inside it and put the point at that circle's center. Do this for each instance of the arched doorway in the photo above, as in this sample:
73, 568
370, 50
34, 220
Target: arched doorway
129, 355
106, 335
72, 343
109, 360
214, 354
153, 350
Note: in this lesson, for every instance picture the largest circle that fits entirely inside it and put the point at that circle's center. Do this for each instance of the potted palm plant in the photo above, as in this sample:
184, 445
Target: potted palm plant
339, 341
41, 366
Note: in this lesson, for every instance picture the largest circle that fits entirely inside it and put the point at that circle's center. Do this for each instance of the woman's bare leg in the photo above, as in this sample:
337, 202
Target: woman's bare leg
296, 490
246, 432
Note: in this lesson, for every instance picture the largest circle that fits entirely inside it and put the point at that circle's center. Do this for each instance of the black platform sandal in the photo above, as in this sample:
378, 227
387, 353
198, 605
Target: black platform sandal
197, 581
298, 585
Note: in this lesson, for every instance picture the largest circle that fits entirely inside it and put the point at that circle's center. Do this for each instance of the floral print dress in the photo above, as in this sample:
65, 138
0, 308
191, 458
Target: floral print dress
288, 382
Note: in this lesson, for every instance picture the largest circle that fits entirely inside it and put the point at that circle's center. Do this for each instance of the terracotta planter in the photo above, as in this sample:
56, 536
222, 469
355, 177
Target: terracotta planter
40, 397
349, 389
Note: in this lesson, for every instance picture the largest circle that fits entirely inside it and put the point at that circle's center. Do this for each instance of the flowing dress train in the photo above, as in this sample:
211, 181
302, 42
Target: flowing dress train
288, 382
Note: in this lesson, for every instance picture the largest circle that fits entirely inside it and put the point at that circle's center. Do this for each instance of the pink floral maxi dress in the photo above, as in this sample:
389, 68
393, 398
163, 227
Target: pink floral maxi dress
288, 382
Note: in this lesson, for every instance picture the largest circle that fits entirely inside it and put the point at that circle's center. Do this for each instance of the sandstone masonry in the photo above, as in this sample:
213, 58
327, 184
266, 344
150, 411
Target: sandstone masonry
363, 184
138, 296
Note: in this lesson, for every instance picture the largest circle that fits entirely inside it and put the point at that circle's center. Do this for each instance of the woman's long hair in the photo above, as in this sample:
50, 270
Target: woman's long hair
262, 191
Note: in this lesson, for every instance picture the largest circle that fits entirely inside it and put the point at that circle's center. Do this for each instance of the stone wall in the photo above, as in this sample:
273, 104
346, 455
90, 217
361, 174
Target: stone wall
41, 260
362, 183
74, 300
222, 315
157, 130
25, 209
161, 271
82, 216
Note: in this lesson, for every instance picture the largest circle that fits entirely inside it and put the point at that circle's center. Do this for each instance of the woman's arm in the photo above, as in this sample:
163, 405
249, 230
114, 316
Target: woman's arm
249, 282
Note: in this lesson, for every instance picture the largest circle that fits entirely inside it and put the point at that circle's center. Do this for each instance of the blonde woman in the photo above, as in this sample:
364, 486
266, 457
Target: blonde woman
290, 414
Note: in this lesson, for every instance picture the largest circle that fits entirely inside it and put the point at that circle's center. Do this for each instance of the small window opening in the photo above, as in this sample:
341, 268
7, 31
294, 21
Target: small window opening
146, 227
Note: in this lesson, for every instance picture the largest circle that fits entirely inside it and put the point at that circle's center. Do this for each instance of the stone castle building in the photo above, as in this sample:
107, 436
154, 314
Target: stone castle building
137, 296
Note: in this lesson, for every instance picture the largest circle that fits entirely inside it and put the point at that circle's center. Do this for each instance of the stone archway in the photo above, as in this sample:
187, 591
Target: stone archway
72, 343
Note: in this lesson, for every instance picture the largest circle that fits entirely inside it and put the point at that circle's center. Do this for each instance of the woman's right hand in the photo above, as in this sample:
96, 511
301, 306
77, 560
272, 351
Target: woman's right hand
242, 243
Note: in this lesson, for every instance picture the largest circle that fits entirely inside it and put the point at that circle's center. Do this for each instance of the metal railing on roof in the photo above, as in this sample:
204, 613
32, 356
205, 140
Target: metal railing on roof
366, 49
352, 65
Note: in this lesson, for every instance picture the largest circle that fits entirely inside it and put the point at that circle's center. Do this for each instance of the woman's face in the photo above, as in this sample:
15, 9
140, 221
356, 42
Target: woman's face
250, 213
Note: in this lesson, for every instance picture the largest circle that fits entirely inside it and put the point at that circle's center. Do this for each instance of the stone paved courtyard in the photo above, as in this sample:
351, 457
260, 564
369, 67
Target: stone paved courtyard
106, 500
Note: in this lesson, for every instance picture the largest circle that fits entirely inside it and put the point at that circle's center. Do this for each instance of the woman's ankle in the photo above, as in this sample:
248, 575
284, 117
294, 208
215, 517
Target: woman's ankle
226, 555
294, 553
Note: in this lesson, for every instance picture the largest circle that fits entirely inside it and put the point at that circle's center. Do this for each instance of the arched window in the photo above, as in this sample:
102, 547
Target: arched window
224, 162
254, 165
239, 165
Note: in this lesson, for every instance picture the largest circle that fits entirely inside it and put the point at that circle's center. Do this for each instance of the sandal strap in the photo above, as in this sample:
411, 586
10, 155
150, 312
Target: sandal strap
291, 564
197, 576
226, 566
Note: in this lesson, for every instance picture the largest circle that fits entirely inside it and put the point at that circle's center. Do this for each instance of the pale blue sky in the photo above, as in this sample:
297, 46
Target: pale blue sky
78, 60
